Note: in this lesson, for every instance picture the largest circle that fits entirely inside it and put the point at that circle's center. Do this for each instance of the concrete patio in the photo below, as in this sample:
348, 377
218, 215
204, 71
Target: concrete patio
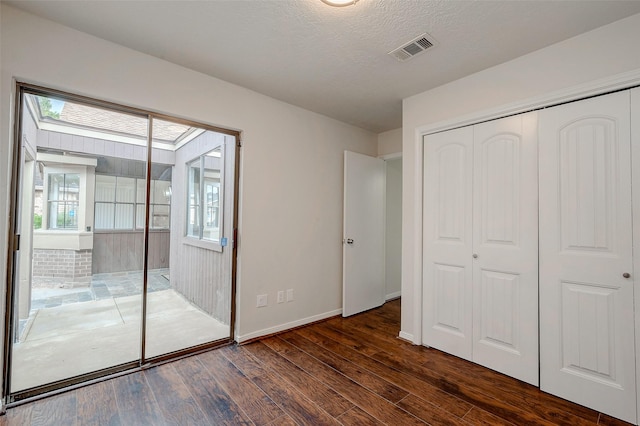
75, 331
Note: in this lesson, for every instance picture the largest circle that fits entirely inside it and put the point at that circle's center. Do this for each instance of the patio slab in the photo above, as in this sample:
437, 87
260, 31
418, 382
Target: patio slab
60, 349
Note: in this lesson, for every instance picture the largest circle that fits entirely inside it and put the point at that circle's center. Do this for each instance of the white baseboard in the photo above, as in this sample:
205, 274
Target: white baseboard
392, 295
406, 336
287, 326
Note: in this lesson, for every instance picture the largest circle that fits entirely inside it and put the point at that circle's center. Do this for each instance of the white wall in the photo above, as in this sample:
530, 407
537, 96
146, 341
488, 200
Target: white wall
390, 142
393, 228
291, 171
605, 52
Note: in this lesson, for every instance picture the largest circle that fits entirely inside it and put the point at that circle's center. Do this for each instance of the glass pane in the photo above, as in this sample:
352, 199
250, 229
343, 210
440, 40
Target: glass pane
212, 176
140, 208
160, 217
56, 186
104, 216
126, 190
71, 186
124, 216
141, 190
70, 215
79, 299
192, 289
193, 199
105, 188
53, 212
161, 192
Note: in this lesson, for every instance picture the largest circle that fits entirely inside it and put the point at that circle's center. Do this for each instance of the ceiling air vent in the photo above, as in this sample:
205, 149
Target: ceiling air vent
411, 49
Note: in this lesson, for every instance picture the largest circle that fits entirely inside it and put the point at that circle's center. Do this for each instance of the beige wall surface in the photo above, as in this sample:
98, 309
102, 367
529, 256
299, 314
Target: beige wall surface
393, 219
291, 159
607, 52
390, 142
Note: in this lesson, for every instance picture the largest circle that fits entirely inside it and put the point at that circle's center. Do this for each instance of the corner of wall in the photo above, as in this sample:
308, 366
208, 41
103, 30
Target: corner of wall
390, 142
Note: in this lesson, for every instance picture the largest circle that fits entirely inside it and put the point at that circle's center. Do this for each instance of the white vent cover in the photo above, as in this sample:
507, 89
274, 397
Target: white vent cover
411, 49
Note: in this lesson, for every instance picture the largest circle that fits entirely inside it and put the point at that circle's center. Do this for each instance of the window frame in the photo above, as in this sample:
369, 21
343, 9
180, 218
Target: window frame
64, 201
200, 240
135, 204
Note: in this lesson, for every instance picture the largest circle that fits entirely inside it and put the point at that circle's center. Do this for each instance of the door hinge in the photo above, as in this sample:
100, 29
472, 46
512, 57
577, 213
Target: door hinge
235, 238
16, 242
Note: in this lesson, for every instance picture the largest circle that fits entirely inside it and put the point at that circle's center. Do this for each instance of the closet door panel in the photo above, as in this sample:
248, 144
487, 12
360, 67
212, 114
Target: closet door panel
447, 242
587, 352
505, 246
635, 162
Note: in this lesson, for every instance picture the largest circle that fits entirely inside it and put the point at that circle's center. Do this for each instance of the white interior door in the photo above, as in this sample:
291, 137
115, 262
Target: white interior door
505, 246
447, 241
363, 240
587, 350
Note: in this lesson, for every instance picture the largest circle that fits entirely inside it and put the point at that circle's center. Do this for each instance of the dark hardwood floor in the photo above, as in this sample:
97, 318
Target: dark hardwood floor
352, 371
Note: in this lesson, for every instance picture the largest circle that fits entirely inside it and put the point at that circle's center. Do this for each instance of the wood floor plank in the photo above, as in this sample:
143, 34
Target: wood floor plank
413, 384
57, 410
174, 399
283, 421
357, 417
511, 390
295, 404
213, 400
136, 402
97, 405
605, 420
550, 408
326, 398
333, 372
359, 375
20, 415
255, 403
480, 393
480, 417
368, 401
427, 412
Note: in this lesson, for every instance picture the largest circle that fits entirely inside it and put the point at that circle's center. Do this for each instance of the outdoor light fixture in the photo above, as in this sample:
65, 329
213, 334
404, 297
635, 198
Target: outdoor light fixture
339, 3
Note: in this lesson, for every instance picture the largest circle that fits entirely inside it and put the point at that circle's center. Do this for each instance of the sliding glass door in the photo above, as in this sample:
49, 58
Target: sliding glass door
125, 221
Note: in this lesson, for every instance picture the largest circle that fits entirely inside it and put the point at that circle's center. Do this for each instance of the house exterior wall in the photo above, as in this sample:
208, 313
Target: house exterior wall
608, 51
64, 265
198, 271
291, 172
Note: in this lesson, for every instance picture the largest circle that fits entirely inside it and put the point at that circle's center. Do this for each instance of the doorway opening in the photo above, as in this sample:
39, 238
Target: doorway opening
125, 221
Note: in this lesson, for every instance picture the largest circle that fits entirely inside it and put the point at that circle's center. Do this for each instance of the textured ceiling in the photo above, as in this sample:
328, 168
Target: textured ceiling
334, 60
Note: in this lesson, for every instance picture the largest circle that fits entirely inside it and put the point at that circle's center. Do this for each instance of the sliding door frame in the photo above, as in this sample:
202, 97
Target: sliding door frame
16, 398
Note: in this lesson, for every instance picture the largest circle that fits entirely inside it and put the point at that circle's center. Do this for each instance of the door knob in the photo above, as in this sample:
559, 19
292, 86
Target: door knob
349, 241
626, 275
475, 256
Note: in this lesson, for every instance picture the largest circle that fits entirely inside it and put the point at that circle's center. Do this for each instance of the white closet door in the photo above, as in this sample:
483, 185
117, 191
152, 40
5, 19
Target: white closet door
635, 165
447, 241
505, 246
587, 350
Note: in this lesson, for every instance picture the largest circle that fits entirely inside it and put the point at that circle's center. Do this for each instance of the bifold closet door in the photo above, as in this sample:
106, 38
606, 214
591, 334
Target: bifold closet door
448, 239
480, 245
505, 246
587, 350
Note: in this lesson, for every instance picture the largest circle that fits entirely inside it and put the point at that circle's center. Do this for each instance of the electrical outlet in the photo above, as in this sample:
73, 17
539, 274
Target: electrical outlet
290, 295
262, 301
280, 296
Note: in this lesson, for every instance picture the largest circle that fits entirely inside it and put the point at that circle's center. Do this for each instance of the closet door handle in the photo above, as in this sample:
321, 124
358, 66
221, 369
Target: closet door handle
475, 256
626, 275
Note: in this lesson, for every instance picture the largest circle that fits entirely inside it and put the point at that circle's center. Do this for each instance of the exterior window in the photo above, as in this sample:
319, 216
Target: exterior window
204, 196
63, 200
120, 203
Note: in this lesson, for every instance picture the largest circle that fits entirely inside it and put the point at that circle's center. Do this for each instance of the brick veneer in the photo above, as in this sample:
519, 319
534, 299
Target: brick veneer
69, 264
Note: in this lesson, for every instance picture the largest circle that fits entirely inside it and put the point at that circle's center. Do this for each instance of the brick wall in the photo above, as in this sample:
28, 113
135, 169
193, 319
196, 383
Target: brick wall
68, 264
